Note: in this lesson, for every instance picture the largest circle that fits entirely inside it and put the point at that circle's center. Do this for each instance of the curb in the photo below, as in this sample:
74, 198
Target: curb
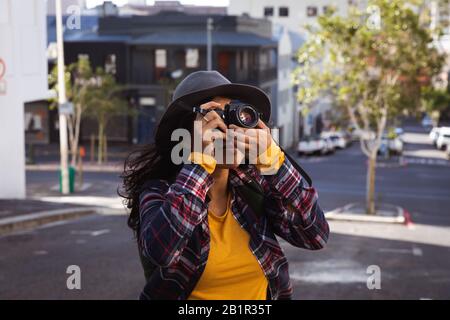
340, 214
86, 167
427, 161
30, 221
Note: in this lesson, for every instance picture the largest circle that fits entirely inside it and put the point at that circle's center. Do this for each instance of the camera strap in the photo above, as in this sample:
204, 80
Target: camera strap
299, 169
254, 195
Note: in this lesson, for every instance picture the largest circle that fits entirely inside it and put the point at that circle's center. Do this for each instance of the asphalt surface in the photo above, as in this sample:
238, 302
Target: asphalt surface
414, 262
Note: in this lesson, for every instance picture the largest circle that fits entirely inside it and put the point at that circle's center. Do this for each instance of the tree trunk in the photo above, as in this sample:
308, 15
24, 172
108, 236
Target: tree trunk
71, 137
100, 142
370, 192
105, 148
76, 138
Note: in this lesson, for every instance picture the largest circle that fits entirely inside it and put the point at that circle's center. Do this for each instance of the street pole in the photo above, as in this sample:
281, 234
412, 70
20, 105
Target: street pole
209, 28
61, 100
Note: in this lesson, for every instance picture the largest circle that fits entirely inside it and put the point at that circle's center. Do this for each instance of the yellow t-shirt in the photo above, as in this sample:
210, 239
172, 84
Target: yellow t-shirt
232, 272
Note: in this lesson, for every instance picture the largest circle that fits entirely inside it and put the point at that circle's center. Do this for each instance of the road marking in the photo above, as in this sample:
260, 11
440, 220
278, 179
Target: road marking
100, 232
318, 272
114, 202
382, 193
40, 252
427, 161
91, 233
84, 187
415, 251
393, 250
421, 234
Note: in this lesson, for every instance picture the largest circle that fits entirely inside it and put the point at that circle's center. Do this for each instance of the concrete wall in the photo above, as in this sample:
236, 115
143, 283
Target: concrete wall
22, 50
285, 105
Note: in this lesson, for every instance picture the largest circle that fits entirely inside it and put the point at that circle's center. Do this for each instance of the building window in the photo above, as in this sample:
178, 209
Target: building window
311, 11
192, 58
268, 11
160, 58
283, 11
110, 64
240, 60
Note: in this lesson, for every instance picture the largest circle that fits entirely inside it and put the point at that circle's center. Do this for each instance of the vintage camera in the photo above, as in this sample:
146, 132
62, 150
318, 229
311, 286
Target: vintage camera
237, 113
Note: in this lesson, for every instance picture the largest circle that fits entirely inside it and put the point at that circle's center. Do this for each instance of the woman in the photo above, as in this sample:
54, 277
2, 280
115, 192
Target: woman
199, 235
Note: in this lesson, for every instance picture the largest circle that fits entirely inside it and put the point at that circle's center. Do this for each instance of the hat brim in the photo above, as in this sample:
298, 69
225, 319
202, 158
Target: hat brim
247, 93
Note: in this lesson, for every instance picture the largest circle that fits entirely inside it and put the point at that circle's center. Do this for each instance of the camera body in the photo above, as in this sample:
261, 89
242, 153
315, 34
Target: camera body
236, 112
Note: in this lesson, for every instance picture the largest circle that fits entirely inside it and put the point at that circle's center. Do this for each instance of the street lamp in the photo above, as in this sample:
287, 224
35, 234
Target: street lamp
209, 29
62, 100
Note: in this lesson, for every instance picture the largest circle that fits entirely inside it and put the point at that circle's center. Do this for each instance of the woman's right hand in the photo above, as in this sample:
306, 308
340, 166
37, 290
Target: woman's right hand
204, 125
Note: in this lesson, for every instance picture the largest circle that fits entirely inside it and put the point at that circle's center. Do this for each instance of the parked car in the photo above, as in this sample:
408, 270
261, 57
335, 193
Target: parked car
434, 134
447, 151
427, 122
392, 145
356, 134
329, 145
311, 145
398, 131
340, 139
444, 138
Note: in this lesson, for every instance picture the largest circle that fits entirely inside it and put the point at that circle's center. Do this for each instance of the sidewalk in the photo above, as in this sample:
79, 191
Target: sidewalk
50, 153
24, 214
87, 167
45, 204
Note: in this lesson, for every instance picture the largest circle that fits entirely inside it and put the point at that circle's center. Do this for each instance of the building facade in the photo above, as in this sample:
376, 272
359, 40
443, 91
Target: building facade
149, 55
23, 79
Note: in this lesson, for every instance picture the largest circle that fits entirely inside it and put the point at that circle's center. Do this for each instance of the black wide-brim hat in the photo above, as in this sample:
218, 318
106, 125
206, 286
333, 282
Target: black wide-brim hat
199, 86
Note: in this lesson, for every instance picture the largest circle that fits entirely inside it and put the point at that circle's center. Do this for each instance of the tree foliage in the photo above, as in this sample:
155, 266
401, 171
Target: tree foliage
373, 64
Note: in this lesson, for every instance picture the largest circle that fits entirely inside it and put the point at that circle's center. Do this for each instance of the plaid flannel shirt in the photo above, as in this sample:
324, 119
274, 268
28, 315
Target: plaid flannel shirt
174, 232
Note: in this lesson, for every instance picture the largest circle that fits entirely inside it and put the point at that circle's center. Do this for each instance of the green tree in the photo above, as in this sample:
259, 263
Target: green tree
435, 100
103, 101
373, 64
78, 79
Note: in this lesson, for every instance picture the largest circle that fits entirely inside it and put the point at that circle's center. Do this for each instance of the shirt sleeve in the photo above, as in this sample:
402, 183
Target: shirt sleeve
170, 213
270, 161
292, 208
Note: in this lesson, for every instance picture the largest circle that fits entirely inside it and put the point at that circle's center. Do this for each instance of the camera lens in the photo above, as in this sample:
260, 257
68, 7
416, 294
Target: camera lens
248, 117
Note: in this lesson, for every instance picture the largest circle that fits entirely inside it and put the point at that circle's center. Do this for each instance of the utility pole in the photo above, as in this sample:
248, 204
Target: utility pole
62, 100
209, 29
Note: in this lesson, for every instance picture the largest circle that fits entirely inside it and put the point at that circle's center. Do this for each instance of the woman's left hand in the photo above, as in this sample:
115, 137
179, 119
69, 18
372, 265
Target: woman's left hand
253, 141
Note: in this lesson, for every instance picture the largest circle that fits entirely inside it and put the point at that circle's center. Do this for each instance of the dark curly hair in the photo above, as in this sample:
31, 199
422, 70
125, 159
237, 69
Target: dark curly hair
147, 162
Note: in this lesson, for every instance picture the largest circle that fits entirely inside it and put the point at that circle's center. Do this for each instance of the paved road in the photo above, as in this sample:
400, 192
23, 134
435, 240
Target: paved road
33, 264
414, 262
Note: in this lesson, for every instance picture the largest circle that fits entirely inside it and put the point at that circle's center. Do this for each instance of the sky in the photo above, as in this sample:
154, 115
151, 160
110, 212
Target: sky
222, 3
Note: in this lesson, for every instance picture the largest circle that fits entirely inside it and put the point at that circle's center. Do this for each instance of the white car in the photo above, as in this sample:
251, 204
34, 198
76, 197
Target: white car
329, 145
444, 138
447, 152
434, 134
427, 122
338, 139
311, 145
391, 145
